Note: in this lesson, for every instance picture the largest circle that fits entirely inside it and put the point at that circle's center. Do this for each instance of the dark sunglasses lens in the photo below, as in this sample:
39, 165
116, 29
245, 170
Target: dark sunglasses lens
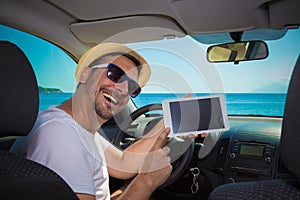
133, 88
115, 74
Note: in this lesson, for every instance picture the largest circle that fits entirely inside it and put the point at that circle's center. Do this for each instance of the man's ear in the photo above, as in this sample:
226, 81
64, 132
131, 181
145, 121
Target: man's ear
85, 73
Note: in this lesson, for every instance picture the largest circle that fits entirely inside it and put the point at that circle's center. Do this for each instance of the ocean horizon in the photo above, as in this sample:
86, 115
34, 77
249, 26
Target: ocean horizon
267, 104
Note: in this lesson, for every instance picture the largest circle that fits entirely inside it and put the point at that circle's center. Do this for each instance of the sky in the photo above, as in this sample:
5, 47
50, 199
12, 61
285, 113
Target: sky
178, 65
250, 76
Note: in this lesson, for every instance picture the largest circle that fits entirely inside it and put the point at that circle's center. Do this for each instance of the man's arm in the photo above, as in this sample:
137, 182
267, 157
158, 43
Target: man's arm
125, 164
144, 184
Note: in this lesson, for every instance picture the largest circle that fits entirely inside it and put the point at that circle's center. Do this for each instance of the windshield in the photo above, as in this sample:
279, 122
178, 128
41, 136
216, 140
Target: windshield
179, 66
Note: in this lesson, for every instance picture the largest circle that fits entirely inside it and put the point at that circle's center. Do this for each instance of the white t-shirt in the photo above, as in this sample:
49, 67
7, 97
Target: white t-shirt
60, 143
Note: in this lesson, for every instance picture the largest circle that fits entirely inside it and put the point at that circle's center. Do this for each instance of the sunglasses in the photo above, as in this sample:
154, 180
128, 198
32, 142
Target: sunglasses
117, 75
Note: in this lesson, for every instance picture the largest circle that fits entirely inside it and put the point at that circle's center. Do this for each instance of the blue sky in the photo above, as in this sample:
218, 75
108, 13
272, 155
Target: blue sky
248, 76
173, 62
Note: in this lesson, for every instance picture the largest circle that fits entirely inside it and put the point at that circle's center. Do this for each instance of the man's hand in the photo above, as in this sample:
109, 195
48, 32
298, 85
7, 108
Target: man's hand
155, 139
156, 160
154, 170
154, 179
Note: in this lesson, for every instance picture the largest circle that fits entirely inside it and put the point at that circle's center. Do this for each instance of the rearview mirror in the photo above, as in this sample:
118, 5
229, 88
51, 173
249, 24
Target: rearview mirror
237, 51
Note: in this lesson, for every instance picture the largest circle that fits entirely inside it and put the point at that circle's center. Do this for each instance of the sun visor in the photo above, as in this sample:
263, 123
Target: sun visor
126, 30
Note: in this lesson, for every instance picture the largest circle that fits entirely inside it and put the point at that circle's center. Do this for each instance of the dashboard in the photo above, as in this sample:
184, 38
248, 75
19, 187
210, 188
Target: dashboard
249, 150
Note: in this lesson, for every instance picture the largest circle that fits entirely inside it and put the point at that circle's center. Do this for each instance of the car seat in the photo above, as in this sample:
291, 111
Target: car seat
289, 156
21, 178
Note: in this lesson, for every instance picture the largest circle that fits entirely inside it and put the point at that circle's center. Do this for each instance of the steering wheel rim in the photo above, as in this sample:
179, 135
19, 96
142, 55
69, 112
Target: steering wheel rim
179, 165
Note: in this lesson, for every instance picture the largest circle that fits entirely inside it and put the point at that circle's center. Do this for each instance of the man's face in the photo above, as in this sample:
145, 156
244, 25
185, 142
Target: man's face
111, 97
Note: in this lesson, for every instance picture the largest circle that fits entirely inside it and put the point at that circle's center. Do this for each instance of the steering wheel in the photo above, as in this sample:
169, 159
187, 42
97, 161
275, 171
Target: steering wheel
180, 163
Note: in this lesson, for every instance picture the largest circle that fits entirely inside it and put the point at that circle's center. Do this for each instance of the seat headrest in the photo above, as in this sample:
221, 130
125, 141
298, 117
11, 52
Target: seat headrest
19, 101
290, 134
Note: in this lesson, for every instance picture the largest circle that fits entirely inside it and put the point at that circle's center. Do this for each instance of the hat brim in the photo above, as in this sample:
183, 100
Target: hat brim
106, 48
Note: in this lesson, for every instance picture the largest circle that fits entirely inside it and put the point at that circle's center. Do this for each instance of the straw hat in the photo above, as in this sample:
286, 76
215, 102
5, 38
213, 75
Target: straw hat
106, 48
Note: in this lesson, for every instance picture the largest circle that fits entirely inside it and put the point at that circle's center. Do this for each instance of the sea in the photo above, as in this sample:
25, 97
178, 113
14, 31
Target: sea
258, 104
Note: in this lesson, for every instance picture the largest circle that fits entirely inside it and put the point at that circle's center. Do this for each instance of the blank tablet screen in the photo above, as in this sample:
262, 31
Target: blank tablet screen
196, 115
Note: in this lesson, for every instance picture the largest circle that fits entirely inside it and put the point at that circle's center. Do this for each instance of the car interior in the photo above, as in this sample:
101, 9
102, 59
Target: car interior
257, 158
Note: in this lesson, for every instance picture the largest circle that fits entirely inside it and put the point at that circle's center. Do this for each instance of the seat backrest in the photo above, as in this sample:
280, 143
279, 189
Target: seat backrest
21, 178
290, 135
19, 93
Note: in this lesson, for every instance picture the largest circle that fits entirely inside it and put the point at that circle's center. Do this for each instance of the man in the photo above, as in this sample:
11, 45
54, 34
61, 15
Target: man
65, 137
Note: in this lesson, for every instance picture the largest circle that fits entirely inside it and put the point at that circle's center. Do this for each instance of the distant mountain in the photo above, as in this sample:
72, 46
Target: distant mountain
49, 90
272, 88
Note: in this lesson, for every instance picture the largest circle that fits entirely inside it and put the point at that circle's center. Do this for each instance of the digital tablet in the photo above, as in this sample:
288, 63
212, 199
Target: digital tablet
195, 115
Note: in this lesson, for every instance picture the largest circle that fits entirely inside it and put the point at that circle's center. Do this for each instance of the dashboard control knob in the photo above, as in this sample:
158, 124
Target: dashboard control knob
268, 160
232, 156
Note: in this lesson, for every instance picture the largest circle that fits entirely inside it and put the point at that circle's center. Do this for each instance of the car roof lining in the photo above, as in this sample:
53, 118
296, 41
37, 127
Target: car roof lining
77, 25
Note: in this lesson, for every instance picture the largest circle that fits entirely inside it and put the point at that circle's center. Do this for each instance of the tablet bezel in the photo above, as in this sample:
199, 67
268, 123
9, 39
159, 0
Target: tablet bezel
168, 121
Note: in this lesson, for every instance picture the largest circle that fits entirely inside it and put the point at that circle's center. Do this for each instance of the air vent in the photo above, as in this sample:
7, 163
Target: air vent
219, 166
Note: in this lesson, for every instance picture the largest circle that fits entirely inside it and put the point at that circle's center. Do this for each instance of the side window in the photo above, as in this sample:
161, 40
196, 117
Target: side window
54, 69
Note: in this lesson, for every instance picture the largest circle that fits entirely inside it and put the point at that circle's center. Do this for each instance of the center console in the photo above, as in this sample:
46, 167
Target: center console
247, 156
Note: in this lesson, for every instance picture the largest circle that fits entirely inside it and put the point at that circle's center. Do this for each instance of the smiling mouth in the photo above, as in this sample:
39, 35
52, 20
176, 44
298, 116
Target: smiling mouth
110, 98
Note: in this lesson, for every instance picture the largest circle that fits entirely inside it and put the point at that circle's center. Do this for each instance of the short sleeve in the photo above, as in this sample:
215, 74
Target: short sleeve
57, 145
100, 140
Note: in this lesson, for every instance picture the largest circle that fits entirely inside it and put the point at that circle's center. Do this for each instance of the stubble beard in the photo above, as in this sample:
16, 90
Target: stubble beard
101, 113
100, 110
106, 112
